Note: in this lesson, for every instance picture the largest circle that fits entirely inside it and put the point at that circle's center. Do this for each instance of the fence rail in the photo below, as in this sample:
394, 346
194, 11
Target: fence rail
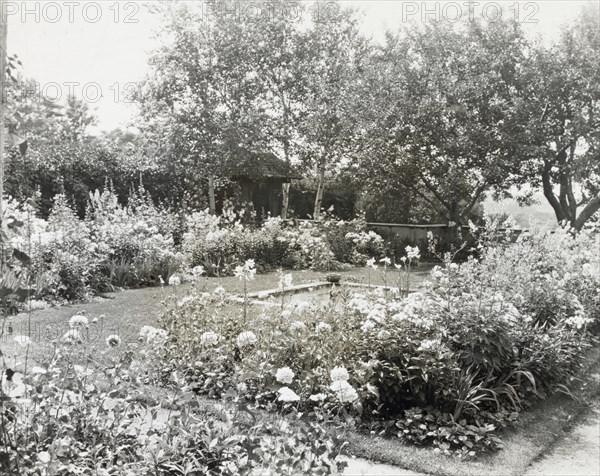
416, 233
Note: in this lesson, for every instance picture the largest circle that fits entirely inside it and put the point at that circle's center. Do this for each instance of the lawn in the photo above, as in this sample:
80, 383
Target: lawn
125, 312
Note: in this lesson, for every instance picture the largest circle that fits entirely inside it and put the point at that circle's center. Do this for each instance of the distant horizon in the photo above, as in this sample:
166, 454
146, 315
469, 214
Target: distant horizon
512, 207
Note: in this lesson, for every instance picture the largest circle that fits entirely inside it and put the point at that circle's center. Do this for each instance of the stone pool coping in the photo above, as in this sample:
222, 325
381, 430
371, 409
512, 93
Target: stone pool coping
261, 297
276, 292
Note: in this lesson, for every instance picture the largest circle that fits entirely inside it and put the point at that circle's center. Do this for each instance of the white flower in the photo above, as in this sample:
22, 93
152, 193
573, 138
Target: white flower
37, 304
209, 338
297, 326
317, 397
145, 331
246, 338
371, 263
376, 315
386, 261
198, 271
286, 313
43, 457
285, 281
344, 391
322, 327
286, 394
174, 280
412, 252
38, 370
79, 369
367, 326
473, 227
71, 336
383, 334
247, 271
185, 300
578, 321
95, 320
78, 321
428, 345
437, 272
219, 291
23, 341
339, 373
152, 334
113, 340
285, 375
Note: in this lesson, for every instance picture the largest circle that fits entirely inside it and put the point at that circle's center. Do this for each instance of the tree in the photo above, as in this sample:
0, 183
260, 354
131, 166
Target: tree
335, 54
443, 122
204, 94
3, 57
62, 157
279, 67
562, 101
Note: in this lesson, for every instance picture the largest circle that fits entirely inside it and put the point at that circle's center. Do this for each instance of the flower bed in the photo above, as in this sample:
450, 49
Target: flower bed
446, 367
218, 244
118, 246
101, 413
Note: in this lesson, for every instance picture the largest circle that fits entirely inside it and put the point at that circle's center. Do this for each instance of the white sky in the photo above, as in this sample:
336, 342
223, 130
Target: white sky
112, 52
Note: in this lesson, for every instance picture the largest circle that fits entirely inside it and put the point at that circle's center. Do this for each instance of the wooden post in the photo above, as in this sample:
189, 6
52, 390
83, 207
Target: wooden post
212, 208
285, 199
3, 57
320, 189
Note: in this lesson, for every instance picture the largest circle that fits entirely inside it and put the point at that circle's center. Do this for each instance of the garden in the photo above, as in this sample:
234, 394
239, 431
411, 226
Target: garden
291, 262
443, 356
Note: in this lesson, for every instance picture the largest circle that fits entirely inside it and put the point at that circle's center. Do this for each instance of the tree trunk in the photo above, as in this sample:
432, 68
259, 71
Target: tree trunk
285, 199
549, 193
3, 53
588, 212
211, 196
320, 188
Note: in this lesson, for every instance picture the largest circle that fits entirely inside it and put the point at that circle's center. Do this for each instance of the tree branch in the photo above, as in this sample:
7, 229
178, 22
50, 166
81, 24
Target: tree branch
478, 191
433, 190
543, 116
549, 193
592, 207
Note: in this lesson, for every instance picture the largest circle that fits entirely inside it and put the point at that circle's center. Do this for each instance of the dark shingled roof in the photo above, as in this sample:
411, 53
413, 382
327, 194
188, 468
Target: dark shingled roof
256, 165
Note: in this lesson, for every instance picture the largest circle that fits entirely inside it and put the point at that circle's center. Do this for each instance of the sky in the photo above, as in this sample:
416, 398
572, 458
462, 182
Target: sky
99, 49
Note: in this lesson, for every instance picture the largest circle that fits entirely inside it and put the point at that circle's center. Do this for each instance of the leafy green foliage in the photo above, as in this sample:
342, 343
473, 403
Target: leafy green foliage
447, 366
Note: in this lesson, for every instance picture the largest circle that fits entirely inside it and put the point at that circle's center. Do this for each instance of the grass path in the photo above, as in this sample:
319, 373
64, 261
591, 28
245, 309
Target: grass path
577, 454
125, 312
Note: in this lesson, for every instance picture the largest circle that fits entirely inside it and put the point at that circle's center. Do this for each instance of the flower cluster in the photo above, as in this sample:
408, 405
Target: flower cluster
512, 322
247, 271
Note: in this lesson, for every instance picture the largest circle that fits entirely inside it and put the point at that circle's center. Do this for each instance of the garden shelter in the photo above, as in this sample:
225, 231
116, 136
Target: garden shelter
260, 176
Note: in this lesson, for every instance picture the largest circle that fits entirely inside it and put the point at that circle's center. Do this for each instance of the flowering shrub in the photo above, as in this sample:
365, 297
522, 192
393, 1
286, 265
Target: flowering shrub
219, 243
446, 366
114, 246
133, 245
